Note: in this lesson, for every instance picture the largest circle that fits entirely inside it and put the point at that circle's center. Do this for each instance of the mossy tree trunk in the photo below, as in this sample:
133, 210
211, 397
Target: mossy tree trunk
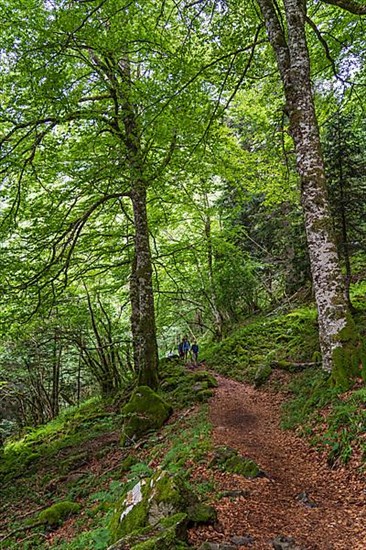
143, 312
141, 287
339, 340
118, 74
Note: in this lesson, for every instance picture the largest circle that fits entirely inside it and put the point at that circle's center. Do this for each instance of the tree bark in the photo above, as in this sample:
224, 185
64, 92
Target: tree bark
339, 340
216, 313
142, 300
56, 367
142, 297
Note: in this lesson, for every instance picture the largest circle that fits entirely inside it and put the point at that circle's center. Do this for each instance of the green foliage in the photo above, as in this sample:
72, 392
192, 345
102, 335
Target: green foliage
333, 422
190, 444
290, 338
58, 512
311, 391
262, 375
345, 429
139, 470
71, 428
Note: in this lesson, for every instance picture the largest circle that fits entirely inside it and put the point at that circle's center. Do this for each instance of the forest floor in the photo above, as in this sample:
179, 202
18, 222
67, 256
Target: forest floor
300, 497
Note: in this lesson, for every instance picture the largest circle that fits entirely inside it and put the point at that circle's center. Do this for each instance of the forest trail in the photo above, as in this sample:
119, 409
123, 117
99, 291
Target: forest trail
248, 420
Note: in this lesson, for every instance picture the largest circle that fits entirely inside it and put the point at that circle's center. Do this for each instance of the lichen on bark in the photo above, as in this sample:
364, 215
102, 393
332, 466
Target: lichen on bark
339, 339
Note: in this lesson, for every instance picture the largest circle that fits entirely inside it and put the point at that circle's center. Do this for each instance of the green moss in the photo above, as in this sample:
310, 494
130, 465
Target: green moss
57, 513
188, 387
134, 520
206, 377
167, 491
166, 540
173, 521
348, 358
202, 513
229, 460
242, 466
131, 522
262, 375
145, 411
127, 463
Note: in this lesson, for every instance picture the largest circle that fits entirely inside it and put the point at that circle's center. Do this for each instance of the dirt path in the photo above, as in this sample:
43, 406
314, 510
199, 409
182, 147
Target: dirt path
248, 420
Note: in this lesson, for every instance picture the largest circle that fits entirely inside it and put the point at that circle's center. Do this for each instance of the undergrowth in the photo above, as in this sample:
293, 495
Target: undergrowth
74, 459
71, 428
286, 339
335, 423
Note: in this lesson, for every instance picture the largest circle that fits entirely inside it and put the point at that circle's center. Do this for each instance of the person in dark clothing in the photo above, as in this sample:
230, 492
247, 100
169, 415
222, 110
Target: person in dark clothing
180, 350
186, 346
194, 351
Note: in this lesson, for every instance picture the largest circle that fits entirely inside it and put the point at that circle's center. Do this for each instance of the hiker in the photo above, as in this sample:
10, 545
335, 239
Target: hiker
185, 347
180, 350
194, 352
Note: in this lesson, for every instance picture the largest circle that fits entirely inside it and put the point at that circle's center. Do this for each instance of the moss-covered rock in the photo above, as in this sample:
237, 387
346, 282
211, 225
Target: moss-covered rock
202, 513
57, 513
229, 460
262, 375
170, 534
147, 504
166, 540
145, 411
155, 514
189, 387
206, 377
131, 512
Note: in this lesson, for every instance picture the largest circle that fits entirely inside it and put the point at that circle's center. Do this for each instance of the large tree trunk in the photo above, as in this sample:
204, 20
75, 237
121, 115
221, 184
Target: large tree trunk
142, 299
141, 289
339, 339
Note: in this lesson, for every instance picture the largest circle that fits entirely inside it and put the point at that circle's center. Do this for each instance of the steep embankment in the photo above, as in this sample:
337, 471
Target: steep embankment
300, 496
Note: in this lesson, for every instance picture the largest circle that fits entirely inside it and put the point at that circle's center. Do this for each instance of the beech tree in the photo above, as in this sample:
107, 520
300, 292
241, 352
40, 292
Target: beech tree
339, 339
94, 118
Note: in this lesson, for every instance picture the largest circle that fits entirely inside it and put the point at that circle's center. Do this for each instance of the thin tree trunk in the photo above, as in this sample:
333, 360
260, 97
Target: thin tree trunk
343, 201
135, 312
56, 375
217, 316
339, 340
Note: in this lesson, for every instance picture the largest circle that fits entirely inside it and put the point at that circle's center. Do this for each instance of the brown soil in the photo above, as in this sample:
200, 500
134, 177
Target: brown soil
248, 420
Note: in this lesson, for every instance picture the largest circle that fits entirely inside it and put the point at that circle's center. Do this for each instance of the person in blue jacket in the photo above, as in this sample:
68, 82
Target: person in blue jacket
186, 346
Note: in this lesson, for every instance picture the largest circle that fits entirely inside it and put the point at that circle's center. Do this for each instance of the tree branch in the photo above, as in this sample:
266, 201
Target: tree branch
348, 5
